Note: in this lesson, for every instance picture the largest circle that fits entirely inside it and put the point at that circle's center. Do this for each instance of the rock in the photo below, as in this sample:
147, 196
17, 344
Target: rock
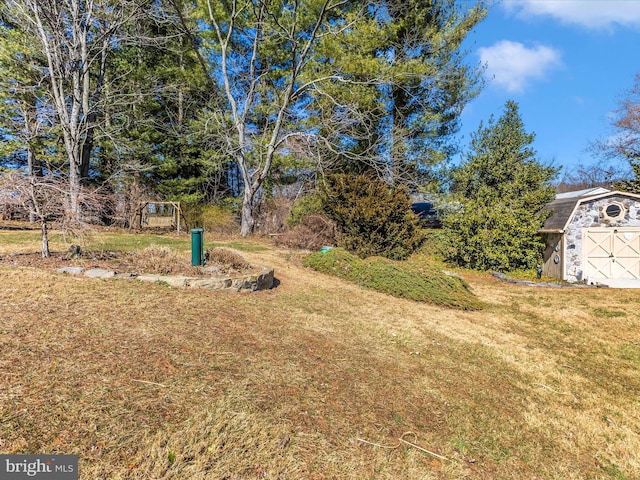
74, 251
245, 283
149, 278
266, 279
172, 281
213, 283
71, 270
99, 273
126, 276
177, 281
261, 279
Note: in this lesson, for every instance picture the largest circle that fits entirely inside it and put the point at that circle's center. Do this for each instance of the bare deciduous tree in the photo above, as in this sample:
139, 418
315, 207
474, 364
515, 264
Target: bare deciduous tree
75, 37
627, 124
314, 78
625, 142
263, 50
599, 174
47, 197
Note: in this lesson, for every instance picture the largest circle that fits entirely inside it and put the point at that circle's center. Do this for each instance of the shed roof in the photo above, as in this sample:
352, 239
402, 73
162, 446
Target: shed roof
582, 193
565, 205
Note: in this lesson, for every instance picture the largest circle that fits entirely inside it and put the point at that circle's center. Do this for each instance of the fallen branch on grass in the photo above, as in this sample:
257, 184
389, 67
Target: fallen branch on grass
390, 447
150, 383
401, 441
551, 389
7, 420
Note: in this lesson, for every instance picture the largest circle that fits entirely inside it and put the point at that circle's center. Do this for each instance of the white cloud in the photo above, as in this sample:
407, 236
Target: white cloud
513, 66
586, 13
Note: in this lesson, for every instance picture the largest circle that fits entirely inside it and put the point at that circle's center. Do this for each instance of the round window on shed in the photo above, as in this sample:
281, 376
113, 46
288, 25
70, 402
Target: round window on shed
614, 211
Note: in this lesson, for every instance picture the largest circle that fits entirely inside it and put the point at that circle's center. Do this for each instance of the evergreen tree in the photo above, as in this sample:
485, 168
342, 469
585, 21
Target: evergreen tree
192, 99
369, 84
631, 185
26, 115
500, 191
430, 84
399, 76
373, 218
156, 94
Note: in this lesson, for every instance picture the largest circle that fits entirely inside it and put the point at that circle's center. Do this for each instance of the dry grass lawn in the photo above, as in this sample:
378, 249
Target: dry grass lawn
318, 379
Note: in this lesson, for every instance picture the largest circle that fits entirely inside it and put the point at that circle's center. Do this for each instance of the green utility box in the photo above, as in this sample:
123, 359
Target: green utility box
197, 247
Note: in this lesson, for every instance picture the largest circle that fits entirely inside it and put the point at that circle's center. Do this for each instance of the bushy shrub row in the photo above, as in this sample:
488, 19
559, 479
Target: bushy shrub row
219, 219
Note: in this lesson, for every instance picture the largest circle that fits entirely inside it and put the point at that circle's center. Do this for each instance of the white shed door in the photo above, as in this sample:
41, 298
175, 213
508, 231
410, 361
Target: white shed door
612, 253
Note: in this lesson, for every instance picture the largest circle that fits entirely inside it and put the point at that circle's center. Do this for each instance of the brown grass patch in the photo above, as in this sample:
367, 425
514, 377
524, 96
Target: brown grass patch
145, 381
153, 259
314, 231
158, 259
226, 258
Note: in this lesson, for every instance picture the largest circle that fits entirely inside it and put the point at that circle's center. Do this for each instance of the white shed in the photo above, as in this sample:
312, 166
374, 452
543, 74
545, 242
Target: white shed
593, 235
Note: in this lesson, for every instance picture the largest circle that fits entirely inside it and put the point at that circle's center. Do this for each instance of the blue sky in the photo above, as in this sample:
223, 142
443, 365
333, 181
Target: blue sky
567, 63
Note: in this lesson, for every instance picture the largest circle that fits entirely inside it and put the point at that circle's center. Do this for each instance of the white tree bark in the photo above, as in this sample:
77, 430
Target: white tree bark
75, 37
255, 160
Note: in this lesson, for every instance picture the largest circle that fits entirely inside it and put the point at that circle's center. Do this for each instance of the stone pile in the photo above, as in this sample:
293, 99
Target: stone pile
261, 279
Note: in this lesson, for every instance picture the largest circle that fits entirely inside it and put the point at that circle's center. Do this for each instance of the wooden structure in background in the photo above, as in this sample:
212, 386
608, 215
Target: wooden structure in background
152, 214
593, 235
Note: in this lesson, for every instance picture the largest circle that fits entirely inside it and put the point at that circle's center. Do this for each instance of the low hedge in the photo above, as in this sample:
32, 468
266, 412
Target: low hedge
420, 282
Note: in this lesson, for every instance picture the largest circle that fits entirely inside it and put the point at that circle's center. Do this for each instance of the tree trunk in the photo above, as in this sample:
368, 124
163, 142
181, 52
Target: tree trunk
31, 172
74, 191
45, 239
247, 221
89, 106
85, 156
34, 167
399, 131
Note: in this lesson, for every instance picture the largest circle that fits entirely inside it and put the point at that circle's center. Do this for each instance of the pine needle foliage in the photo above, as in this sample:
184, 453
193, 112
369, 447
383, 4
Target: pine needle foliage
500, 191
631, 185
372, 218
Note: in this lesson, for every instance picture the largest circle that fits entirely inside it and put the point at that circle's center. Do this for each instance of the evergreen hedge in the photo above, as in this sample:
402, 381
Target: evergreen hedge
421, 282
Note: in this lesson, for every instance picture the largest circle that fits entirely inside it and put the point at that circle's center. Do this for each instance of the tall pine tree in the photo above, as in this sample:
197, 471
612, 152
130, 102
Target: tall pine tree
368, 83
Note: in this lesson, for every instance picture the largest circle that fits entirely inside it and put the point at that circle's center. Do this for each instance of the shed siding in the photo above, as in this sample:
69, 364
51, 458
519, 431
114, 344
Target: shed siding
552, 266
590, 214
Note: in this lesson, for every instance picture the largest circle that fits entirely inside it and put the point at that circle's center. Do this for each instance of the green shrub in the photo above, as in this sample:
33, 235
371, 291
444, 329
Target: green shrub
191, 208
218, 218
437, 243
213, 218
372, 218
421, 282
304, 206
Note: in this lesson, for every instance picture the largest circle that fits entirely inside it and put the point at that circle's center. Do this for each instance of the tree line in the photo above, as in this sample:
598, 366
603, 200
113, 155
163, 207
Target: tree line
103, 103
200, 100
